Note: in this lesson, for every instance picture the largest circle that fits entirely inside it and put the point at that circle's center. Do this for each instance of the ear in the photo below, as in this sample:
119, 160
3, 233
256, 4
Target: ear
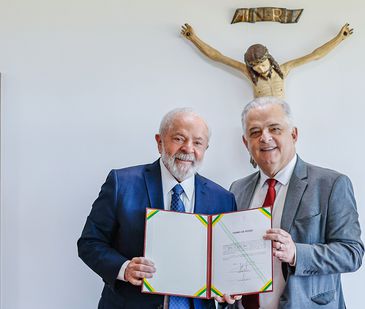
294, 134
159, 142
245, 141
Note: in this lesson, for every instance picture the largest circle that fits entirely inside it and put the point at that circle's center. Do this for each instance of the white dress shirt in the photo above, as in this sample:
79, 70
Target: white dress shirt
270, 300
168, 182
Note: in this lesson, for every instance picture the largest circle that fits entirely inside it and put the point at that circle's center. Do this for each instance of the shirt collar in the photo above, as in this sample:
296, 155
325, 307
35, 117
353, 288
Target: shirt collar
169, 181
282, 176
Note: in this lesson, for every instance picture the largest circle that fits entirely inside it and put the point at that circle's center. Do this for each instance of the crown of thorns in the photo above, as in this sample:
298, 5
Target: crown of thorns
260, 60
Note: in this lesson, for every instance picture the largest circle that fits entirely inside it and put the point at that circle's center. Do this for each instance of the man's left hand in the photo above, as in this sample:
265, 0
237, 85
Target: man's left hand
283, 245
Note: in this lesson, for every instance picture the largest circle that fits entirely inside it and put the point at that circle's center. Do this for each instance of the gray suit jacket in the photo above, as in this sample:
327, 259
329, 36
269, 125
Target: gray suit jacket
320, 215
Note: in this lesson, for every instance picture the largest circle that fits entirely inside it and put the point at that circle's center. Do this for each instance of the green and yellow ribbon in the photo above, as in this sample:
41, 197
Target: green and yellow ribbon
151, 213
148, 285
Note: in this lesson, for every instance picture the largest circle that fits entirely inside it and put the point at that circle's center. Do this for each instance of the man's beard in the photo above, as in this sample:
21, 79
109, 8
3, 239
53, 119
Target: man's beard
180, 171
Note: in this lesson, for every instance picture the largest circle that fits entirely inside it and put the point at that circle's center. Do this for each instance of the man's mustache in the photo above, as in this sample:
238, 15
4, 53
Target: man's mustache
185, 157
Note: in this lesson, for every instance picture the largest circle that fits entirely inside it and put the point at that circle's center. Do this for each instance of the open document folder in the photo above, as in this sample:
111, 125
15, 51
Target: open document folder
207, 255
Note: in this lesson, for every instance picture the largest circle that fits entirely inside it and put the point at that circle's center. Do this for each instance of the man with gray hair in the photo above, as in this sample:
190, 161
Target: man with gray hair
112, 244
315, 232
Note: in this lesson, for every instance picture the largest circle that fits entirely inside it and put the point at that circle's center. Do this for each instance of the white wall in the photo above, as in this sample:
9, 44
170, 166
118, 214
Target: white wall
84, 85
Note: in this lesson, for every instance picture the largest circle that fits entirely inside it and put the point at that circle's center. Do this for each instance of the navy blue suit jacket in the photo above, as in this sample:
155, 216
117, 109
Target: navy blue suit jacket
114, 230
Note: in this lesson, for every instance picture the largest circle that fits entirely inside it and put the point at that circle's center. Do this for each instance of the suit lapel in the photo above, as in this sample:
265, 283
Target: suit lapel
153, 181
200, 195
249, 191
297, 186
244, 191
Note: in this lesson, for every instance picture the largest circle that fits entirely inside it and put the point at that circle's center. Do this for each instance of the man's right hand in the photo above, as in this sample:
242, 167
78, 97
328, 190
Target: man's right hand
227, 299
138, 269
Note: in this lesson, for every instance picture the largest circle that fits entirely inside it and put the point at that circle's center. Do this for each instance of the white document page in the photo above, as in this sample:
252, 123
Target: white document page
177, 244
241, 259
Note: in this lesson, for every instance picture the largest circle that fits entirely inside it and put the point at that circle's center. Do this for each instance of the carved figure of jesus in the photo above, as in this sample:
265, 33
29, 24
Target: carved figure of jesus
266, 75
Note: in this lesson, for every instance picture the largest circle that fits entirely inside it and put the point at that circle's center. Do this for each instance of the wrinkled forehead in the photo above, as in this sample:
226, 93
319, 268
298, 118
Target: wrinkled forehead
189, 124
267, 115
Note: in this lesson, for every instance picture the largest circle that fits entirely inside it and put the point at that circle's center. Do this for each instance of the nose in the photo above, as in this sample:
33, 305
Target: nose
187, 147
265, 137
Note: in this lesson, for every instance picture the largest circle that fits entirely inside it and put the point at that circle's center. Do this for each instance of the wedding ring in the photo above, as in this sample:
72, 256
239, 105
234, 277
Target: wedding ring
281, 247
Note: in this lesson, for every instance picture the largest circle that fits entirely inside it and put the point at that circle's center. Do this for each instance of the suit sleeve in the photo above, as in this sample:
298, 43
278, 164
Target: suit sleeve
343, 249
95, 244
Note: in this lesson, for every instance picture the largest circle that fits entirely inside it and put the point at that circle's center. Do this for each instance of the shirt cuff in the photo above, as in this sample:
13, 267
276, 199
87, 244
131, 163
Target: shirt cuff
295, 257
122, 271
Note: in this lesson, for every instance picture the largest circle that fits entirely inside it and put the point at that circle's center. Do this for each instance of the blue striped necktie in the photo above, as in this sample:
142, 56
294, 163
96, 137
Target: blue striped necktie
177, 204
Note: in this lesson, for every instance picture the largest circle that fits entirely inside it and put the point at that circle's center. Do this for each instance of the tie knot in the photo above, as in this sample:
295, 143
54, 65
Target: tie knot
178, 189
271, 182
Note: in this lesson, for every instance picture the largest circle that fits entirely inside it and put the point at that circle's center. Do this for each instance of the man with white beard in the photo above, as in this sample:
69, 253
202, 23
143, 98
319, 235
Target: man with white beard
111, 243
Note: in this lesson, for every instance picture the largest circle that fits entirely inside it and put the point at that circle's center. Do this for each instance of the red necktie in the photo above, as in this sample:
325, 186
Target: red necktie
271, 193
253, 301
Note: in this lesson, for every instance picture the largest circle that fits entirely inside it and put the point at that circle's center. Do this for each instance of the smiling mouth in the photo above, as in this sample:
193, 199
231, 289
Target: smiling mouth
268, 149
184, 161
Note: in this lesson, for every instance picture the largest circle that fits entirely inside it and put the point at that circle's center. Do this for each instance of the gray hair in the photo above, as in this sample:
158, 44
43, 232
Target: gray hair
263, 101
168, 119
